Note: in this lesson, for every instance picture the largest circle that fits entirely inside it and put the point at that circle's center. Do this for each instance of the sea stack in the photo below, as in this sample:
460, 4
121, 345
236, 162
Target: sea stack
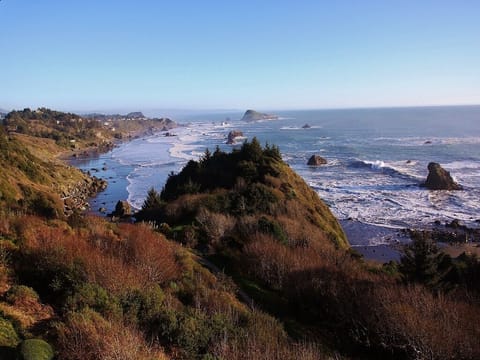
232, 135
440, 179
316, 160
252, 115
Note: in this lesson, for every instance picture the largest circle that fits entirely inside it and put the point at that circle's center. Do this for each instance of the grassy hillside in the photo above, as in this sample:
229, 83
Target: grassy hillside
240, 260
249, 214
248, 184
30, 184
33, 179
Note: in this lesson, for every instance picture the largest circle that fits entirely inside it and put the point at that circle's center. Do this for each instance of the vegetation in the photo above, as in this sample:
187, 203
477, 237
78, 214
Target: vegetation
237, 258
253, 217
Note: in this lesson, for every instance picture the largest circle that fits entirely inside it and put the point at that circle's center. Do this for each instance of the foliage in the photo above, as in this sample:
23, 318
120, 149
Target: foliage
46, 123
153, 200
221, 170
8, 336
35, 349
423, 262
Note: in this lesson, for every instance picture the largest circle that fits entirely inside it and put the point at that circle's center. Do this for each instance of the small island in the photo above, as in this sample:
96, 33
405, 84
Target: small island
252, 115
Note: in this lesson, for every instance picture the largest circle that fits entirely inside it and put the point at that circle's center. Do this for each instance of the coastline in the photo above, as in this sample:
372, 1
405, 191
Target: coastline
380, 244
375, 242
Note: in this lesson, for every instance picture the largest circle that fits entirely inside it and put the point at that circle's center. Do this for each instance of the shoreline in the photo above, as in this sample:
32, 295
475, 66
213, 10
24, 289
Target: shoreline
375, 242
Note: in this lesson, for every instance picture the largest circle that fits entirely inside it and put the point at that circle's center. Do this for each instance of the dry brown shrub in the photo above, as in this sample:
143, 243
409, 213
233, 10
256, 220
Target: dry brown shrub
264, 338
215, 225
88, 335
428, 325
186, 205
150, 253
133, 258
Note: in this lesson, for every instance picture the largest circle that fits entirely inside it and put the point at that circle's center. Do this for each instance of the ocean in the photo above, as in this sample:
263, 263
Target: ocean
377, 159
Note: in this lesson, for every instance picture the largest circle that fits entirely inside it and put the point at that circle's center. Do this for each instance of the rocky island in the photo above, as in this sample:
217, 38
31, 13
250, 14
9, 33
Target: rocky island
252, 115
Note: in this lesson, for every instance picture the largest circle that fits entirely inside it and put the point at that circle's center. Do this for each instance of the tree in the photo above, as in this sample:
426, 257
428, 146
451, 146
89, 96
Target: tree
423, 262
153, 200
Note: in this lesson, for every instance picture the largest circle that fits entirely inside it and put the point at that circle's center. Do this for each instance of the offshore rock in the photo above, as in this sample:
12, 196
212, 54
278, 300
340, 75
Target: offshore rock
440, 179
316, 160
232, 135
122, 209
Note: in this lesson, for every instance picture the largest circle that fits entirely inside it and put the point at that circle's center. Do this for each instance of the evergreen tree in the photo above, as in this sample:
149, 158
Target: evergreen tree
423, 262
153, 200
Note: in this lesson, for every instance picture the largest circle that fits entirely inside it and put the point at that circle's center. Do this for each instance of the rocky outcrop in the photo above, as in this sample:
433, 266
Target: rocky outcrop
316, 160
122, 209
232, 135
252, 115
76, 197
306, 126
440, 179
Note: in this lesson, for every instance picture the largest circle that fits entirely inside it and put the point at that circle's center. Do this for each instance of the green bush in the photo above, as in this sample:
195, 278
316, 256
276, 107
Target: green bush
141, 306
271, 227
8, 336
95, 297
35, 349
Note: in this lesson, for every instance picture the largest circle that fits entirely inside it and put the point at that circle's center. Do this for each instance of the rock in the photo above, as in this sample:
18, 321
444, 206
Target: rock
122, 209
428, 142
306, 126
316, 160
102, 210
439, 179
252, 115
232, 135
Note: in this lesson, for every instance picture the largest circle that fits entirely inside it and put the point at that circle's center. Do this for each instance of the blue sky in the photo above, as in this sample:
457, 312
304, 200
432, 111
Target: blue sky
128, 55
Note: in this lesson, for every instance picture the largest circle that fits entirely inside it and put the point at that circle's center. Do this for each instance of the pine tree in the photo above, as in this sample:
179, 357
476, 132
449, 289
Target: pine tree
423, 262
153, 200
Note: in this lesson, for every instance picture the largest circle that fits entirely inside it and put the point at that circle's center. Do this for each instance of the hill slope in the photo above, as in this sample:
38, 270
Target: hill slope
248, 182
249, 214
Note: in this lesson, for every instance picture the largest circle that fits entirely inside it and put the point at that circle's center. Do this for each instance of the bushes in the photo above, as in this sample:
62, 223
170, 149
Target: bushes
88, 336
34, 349
8, 336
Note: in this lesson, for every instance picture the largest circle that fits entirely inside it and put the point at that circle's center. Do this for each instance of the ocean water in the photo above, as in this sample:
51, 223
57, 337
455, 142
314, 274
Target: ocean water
377, 159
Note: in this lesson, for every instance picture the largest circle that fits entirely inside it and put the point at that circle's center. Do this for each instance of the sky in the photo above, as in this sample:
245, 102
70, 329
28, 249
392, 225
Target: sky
107, 55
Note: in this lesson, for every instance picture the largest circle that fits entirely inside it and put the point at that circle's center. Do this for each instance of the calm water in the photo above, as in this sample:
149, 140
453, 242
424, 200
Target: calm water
377, 159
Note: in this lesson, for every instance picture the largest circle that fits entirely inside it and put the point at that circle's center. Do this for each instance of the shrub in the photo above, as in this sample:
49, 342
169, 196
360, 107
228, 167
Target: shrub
35, 349
89, 336
8, 336
94, 297
21, 295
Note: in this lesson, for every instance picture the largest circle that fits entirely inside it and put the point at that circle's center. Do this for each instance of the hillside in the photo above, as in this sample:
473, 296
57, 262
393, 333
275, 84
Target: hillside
239, 260
250, 215
34, 180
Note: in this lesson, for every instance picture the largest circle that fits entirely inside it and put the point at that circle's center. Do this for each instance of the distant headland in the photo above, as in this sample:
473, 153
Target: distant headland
252, 115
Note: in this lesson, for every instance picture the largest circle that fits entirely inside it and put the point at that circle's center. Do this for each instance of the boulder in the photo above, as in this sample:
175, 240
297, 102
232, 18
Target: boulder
232, 135
316, 160
440, 179
306, 126
122, 209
